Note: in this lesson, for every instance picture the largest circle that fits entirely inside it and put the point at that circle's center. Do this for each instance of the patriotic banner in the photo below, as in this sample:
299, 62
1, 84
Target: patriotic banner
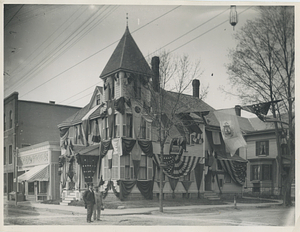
136, 113
89, 165
110, 113
236, 168
260, 109
117, 146
231, 132
96, 132
178, 166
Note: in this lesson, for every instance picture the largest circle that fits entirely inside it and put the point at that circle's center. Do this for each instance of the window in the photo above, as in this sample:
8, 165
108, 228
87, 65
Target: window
143, 168
126, 169
4, 156
42, 187
262, 148
10, 119
227, 178
116, 126
10, 158
106, 128
30, 188
255, 172
127, 125
4, 122
98, 99
143, 128
137, 88
266, 172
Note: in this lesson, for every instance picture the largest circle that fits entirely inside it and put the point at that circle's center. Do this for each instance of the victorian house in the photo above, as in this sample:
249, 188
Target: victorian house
113, 142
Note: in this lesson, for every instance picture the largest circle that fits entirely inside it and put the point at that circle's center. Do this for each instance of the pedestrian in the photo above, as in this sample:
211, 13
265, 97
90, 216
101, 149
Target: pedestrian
98, 204
89, 201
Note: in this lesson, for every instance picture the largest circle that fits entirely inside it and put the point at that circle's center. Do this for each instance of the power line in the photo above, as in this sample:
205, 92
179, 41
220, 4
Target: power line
13, 16
90, 57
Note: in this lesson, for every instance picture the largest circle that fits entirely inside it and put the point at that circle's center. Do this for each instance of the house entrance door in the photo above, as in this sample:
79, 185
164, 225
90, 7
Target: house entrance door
208, 181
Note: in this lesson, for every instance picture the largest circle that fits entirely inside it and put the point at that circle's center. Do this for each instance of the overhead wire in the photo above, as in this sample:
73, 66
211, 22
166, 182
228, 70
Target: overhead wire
60, 49
191, 39
13, 16
27, 61
88, 57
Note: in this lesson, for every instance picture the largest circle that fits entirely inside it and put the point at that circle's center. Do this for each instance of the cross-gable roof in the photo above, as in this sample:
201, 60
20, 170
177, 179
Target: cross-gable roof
126, 57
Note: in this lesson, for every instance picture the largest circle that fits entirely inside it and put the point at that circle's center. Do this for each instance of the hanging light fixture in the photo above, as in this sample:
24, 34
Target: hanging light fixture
233, 19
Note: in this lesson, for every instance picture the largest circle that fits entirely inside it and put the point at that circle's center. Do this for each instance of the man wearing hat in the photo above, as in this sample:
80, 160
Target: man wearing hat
98, 204
89, 200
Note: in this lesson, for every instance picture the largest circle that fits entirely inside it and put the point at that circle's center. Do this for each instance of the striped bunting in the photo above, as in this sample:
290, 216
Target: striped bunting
236, 170
177, 165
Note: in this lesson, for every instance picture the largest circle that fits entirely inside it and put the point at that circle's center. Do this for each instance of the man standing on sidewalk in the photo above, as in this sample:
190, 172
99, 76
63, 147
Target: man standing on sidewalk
89, 200
98, 204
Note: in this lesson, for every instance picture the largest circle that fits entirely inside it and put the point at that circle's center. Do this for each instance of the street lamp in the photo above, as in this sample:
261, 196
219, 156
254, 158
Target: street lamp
233, 18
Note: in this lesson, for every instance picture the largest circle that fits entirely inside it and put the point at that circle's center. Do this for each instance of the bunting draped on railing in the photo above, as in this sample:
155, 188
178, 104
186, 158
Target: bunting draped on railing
173, 183
146, 188
237, 169
126, 188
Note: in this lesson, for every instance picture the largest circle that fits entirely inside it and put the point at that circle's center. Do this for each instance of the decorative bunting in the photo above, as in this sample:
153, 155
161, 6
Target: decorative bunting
96, 132
198, 174
146, 146
189, 123
236, 168
260, 109
137, 116
231, 132
110, 113
127, 145
89, 165
120, 105
146, 188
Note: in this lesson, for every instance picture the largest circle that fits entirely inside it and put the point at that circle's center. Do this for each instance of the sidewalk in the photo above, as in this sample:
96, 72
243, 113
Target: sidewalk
127, 211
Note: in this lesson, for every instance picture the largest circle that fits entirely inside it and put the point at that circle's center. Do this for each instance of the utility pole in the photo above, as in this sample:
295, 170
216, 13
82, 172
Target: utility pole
16, 174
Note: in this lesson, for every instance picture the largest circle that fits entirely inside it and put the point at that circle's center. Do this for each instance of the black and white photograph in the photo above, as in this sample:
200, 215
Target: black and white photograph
149, 115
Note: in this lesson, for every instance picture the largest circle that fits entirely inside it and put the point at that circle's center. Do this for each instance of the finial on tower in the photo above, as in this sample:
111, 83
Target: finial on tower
126, 19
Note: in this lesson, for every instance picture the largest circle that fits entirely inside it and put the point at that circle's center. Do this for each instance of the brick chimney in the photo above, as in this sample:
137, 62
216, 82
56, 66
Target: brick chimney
238, 110
196, 85
155, 69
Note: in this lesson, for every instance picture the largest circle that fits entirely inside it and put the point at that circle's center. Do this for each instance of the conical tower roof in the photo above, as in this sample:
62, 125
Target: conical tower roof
126, 57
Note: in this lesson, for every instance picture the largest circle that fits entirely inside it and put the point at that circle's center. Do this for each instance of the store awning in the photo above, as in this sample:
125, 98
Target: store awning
37, 173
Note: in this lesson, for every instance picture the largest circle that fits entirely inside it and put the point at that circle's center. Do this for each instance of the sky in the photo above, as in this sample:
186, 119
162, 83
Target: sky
57, 52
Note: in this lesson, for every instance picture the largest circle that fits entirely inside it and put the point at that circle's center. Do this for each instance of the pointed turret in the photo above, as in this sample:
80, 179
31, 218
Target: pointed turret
126, 57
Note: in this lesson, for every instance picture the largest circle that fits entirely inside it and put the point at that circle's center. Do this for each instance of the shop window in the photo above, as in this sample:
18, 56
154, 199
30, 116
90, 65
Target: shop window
10, 155
143, 168
266, 172
30, 188
127, 125
42, 187
262, 148
10, 119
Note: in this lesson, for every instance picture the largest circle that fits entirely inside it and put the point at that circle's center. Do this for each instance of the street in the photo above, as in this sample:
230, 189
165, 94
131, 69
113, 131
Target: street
252, 216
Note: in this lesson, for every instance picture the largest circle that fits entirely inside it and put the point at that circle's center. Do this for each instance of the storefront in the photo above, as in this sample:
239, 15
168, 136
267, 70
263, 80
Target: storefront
38, 171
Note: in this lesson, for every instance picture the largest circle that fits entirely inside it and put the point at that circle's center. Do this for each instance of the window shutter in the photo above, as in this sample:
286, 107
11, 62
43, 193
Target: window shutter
267, 147
257, 148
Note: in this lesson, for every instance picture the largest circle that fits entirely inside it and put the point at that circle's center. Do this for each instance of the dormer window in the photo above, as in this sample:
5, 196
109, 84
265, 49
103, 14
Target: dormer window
98, 99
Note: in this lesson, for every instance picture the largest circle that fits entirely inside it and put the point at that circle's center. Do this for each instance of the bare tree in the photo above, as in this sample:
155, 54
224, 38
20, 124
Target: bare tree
262, 69
175, 75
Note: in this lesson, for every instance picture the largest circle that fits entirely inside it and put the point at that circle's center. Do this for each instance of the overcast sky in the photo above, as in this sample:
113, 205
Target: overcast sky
57, 52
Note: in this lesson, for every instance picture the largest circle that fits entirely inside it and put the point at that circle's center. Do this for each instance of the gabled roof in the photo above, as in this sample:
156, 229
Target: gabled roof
127, 57
87, 110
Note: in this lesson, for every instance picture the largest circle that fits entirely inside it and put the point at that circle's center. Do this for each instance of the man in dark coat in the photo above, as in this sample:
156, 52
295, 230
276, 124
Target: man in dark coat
89, 200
